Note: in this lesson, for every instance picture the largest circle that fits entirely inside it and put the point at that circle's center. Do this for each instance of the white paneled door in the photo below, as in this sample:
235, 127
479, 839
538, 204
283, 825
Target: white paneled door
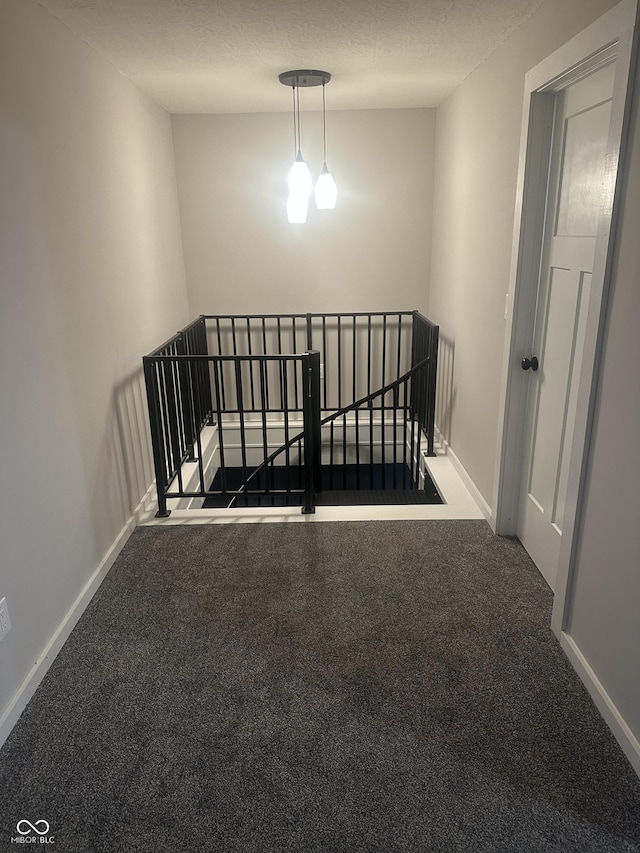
574, 206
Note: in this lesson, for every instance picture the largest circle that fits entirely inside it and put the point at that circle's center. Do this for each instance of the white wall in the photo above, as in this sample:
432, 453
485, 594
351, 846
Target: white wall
92, 278
477, 148
477, 139
371, 253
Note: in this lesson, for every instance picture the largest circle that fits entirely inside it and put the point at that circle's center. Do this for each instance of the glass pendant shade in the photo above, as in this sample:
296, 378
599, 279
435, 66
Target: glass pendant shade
297, 207
326, 190
300, 183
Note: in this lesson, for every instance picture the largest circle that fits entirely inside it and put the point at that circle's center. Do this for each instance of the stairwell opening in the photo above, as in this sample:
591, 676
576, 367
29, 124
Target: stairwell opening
294, 410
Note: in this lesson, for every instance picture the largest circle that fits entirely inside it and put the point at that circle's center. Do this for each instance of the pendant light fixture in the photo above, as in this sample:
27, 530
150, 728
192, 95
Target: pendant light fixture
300, 183
326, 190
299, 174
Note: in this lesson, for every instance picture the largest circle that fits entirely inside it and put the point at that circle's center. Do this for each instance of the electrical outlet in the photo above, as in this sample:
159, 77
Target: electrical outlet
321, 370
5, 624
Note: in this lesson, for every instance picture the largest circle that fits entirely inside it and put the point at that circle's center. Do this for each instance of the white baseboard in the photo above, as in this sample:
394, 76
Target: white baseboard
445, 448
30, 684
604, 703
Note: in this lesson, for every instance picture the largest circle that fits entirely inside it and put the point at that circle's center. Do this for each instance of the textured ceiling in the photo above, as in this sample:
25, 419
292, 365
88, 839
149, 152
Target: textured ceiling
220, 56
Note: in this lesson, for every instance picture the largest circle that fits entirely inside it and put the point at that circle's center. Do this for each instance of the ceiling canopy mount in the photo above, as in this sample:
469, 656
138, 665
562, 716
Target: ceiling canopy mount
304, 78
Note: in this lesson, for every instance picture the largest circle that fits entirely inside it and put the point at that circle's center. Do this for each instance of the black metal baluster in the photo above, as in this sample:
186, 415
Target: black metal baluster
316, 431
295, 375
413, 436
250, 364
195, 379
398, 366
197, 413
324, 359
384, 382
285, 414
265, 442
344, 451
309, 333
355, 359
384, 351
184, 412
421, 378
217, 382
264, 352
354, 356
395, 435
369, 354
243, 444
173, 422
395, 438
164, 422
175, 408
233, 336
339, 364
371, 410
404, 435
279, 335
383, 437
357, 426
189, 427
331, 462
221, 398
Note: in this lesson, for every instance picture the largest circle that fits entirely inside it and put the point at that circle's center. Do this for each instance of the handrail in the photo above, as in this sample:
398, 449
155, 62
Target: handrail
309, 314
343, 411
175, 338
156, 353
379, 393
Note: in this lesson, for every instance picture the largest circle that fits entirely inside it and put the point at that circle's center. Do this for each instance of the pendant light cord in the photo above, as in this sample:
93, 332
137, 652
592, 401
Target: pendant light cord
324, 127
295, 127
297, 91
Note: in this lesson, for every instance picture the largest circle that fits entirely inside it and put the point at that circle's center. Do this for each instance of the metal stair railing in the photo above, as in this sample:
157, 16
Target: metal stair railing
254, 389
413, 408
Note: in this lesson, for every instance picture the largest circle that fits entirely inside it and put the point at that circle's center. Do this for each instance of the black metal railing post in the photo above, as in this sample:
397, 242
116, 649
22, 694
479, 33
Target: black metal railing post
423, 397
417, 354
311, 427
156, 440
314, 364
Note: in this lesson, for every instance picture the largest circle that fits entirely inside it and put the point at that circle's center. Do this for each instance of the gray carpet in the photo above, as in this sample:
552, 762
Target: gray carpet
339, 687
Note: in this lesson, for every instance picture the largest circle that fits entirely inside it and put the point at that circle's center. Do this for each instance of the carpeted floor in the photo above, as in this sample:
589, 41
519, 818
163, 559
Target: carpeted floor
340, 687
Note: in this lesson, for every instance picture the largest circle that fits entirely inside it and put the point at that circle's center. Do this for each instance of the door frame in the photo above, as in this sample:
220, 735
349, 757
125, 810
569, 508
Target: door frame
613, 35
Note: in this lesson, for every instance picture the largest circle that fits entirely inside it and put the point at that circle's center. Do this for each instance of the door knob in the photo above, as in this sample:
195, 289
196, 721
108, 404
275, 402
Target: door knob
527, 363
